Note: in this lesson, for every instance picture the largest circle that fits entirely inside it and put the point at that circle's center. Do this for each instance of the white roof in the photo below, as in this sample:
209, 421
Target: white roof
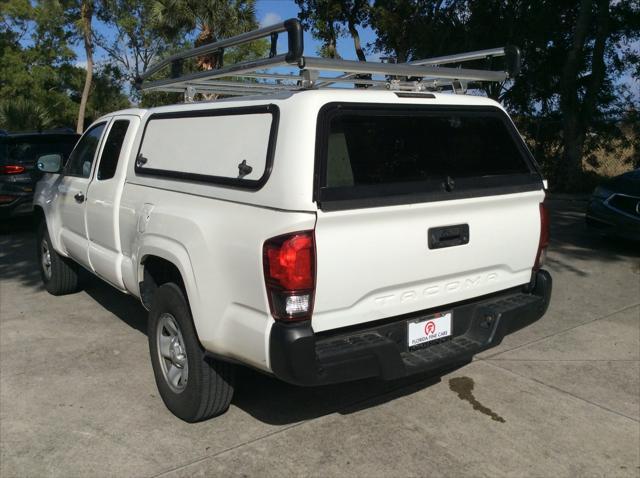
325, 95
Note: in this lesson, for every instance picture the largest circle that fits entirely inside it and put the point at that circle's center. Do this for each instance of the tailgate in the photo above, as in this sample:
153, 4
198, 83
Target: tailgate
419, 207
376, 263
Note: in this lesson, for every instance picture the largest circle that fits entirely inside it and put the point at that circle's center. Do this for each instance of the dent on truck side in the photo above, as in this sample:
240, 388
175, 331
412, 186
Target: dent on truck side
43, 200
138, 242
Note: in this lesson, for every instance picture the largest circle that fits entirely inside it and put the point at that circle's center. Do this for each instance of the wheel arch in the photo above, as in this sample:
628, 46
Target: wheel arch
157, 271
38, 214
163, 260
40, 217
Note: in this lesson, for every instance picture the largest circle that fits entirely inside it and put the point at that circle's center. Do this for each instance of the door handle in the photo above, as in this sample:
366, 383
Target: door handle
79, 197
448, 236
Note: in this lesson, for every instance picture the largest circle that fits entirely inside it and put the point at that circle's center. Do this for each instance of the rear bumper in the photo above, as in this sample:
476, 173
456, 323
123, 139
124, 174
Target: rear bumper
301, 357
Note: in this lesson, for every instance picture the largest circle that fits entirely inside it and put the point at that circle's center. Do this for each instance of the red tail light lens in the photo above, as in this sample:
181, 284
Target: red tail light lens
6, 199
544, 237
289, 273
11, 169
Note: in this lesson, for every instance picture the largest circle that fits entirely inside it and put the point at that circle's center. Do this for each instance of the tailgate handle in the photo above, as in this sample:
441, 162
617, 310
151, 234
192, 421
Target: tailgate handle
448, 236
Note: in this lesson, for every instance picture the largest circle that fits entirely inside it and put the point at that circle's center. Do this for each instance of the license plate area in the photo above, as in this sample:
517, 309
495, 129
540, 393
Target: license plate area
429, 330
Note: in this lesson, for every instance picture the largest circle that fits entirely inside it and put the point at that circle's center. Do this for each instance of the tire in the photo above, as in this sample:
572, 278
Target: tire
59, 275
194, 387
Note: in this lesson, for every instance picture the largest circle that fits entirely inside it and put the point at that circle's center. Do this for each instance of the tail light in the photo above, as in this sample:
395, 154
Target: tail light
11, 169
6, 199
289, 274
544, 237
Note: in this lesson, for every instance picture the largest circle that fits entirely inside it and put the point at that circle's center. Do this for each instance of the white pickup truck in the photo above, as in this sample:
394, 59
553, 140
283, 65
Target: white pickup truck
319, 236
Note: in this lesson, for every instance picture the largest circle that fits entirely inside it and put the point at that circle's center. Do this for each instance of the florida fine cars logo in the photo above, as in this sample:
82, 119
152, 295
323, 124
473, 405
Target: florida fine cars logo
430, 327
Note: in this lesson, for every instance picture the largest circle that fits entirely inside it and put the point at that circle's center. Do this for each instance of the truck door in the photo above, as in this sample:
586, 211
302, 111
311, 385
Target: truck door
72, 193
103, 200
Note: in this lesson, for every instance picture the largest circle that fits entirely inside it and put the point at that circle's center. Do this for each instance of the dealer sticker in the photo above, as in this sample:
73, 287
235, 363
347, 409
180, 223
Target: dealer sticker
424, 330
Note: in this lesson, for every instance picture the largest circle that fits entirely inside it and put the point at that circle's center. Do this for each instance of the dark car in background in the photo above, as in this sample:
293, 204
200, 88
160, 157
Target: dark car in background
614, 207
18, 172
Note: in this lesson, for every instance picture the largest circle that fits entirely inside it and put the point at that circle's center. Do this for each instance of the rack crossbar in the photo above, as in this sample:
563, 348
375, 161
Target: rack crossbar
402, 69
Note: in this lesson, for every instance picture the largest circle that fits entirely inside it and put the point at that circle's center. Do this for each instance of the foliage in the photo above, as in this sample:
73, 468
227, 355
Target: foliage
24, 115
135, 43
209, 20
330, 19
37, 70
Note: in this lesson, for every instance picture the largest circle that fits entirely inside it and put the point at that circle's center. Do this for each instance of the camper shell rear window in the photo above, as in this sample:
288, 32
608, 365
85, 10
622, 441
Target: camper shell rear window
376, 155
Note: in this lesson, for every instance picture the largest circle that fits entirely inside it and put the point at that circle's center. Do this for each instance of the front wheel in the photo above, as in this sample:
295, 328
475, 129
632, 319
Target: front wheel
59, 274
194, 387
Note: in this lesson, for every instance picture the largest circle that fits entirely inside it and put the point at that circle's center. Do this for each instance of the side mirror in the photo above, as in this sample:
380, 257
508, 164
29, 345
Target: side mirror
49, 163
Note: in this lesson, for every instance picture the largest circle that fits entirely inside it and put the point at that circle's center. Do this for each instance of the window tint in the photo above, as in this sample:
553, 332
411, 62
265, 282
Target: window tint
376, 148
82, 157
111, 150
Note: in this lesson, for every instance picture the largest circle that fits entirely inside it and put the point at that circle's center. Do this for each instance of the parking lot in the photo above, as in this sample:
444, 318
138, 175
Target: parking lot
559, 398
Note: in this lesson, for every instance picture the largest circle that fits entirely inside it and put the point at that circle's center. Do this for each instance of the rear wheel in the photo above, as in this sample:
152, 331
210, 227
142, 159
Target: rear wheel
59, 274
194, 387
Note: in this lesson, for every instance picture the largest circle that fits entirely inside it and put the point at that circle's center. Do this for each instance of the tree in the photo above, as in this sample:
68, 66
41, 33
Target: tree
581, 94
322, 18
330, 19
210, 20
406, 28
38, 76
569, 91
135, 44
86, 16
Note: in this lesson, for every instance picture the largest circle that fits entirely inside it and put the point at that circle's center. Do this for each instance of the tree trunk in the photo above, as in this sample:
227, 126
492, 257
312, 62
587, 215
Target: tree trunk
86, 14
356, 40
570, 168
598, 66
212, 60
332, 41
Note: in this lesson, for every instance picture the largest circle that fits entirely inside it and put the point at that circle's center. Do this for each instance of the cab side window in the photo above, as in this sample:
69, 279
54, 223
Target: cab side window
111, 150
83, 155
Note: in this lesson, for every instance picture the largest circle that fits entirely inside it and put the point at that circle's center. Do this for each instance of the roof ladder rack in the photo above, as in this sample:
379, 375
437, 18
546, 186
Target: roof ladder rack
273, 74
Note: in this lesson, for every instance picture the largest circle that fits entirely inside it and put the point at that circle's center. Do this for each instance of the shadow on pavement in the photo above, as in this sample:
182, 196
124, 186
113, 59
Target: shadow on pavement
18, 252
571, 239
277, 403
127, 308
